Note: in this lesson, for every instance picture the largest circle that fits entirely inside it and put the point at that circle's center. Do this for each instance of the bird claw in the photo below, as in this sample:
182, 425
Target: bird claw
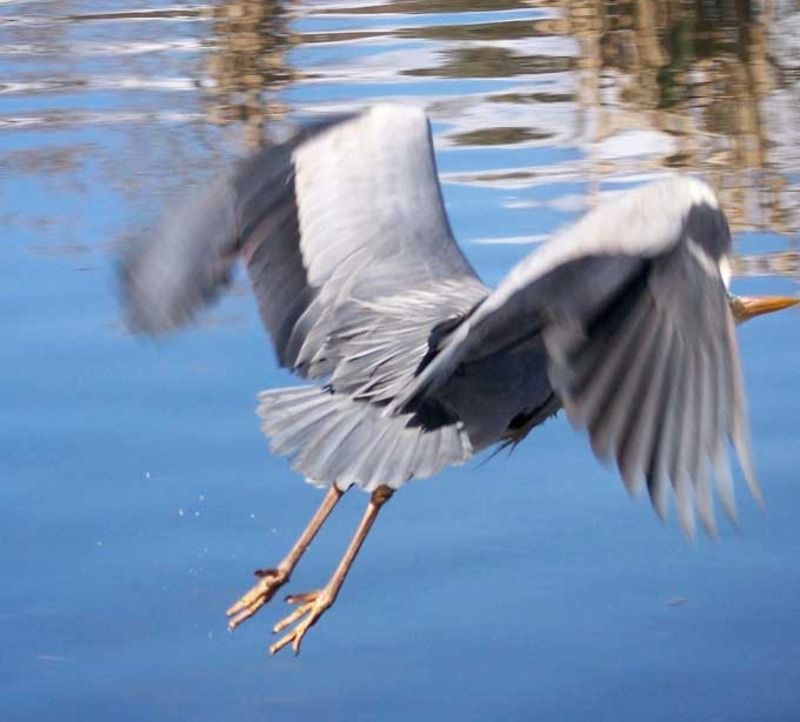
269, 581
312, 606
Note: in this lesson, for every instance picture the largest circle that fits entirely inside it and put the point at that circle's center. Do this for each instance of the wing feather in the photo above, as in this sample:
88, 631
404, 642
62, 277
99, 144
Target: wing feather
635, 318
638, 437
351, 257
637, 340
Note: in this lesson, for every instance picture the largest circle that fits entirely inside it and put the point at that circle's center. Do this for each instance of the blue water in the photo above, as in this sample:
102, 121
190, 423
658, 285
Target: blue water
138, 494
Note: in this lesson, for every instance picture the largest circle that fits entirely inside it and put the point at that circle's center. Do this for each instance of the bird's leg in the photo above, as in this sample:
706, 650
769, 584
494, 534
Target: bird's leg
312, 605
270, 580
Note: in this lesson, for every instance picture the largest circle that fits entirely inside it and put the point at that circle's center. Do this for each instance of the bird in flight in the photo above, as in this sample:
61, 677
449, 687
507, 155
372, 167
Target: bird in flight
411, 363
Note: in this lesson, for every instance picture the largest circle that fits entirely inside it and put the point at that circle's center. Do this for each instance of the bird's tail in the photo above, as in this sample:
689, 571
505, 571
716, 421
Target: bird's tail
339, 440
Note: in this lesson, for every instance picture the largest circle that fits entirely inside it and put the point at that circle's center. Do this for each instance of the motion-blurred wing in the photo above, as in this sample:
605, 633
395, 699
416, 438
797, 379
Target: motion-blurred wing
350, 254
335, 226
363, 241
636, 322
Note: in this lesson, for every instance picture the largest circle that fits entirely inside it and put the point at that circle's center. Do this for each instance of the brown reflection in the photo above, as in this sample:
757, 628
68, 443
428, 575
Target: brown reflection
700, 73
498, 136
507, 30
247, 65
491, 59
698, 76
436, 6
541, 97
492, 62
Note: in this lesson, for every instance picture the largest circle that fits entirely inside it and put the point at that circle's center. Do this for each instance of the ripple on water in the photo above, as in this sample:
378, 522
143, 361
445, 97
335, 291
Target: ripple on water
525, 588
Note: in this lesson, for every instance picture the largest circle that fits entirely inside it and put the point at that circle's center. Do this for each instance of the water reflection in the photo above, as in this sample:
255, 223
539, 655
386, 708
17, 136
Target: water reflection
639, 88
699, 75
107, 109
636, 88
247, 65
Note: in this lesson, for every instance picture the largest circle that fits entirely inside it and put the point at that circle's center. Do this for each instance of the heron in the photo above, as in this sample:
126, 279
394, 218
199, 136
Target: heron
411, 363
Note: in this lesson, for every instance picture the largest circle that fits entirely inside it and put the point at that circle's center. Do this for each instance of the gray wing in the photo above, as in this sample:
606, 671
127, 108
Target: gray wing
364, 257
350, 254
640, 339
341, 229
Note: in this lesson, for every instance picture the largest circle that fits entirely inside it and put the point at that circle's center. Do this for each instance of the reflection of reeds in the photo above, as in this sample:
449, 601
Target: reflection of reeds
696, 75
247, 64
697, 72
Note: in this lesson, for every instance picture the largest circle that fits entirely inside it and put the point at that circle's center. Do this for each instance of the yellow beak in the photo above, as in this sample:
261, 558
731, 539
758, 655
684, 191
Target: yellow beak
746, 307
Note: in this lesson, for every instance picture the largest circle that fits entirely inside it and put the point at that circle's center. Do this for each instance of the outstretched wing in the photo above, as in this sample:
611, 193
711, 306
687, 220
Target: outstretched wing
342, 230
635, 318
363, 232
353, 263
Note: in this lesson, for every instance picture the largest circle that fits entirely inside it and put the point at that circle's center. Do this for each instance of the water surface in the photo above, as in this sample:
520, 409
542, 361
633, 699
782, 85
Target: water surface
138, 494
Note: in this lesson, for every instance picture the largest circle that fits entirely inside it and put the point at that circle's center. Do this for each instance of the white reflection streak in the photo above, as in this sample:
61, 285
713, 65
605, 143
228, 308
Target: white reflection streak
121, 48
57, 85
568, 203
62, 119
172, 13
137, 48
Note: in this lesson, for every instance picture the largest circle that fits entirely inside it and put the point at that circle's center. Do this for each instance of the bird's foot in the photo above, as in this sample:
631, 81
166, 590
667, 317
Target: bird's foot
270, 580
312, 606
